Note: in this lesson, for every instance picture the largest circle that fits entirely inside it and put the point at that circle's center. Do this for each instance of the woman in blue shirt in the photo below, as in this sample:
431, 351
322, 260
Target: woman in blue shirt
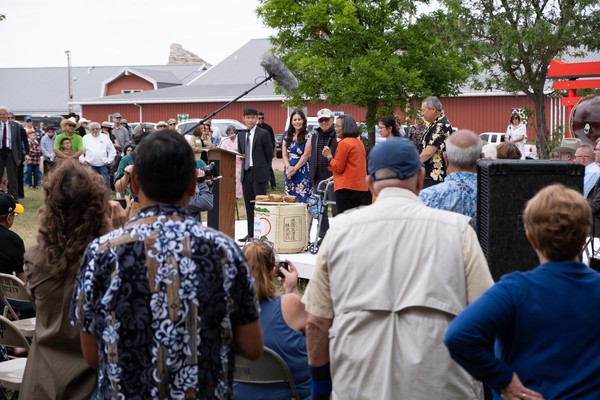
542, 322
283, 320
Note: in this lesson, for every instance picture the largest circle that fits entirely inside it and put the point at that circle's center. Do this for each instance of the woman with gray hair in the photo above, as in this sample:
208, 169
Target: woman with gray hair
349, 166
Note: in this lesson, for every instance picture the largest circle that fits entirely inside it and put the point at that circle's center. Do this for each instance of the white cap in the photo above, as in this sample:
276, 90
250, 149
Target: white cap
324, 113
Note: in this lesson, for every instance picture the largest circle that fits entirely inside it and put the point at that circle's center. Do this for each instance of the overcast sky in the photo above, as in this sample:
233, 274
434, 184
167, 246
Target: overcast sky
36, 33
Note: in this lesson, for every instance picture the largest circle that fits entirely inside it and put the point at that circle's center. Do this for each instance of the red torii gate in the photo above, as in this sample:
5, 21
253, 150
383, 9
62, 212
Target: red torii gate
571, 73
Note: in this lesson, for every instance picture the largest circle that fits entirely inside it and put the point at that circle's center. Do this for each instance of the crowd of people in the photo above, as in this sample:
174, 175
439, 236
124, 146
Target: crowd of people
141, 300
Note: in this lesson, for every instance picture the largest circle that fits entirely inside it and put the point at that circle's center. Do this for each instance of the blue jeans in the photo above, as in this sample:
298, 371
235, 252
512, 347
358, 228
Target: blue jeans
103, 170
33, 175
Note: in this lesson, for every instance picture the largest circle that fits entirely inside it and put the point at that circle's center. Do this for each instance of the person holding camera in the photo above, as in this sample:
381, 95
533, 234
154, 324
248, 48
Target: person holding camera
202, 200
283, 321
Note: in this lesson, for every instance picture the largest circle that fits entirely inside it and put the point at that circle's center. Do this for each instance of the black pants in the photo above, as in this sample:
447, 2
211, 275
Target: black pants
21, 176
7, 162
251, 189
345, 199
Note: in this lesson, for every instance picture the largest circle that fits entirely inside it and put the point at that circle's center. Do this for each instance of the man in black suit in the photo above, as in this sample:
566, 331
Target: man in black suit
11, 150
262, 124
256, 145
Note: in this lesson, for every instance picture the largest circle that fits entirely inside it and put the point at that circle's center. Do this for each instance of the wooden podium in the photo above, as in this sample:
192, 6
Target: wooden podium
222, 216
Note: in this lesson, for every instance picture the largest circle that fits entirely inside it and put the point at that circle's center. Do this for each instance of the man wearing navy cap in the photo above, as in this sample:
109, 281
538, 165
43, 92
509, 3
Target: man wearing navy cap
12, 251
389, 279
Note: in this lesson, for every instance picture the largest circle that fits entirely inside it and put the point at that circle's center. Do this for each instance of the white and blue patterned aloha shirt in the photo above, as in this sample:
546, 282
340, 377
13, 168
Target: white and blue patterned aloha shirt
171, 338
457, 193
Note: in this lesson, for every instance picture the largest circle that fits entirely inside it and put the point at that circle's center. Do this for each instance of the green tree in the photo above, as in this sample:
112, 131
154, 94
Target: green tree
516, 40
367, 52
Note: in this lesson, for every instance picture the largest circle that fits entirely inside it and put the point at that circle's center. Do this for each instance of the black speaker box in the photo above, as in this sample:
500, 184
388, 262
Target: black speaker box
503, 189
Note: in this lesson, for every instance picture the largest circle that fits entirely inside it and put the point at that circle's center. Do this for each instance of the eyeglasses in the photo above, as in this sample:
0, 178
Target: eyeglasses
95, 129
172, 124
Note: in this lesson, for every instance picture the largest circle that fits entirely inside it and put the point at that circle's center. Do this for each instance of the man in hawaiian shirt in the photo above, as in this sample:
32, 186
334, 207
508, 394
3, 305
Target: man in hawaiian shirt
163, 301
434, 140
458, 192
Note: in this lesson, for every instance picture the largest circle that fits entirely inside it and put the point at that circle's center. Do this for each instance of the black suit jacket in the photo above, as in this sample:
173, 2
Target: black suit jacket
262, 153
19, 142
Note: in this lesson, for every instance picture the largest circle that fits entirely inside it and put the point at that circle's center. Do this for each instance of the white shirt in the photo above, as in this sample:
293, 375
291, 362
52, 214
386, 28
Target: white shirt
251, 142
8, 135
98, 150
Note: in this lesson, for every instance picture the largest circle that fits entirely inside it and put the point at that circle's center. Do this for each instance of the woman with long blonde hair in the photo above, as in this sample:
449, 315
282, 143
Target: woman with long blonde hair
283, 320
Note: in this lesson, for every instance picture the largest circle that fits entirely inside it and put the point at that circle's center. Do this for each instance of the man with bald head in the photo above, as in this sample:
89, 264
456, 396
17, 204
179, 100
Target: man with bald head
458, 192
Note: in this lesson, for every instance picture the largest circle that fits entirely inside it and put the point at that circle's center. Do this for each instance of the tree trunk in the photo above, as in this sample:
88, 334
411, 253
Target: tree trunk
371, 120
541, 129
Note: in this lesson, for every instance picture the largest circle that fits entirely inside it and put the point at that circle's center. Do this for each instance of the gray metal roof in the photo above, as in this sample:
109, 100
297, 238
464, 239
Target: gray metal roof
44, 90
226, 80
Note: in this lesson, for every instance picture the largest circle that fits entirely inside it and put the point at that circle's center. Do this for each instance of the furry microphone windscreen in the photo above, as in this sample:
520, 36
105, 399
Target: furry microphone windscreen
277, 69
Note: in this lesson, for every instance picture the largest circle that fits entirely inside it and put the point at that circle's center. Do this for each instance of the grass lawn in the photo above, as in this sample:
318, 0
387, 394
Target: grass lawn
26, 224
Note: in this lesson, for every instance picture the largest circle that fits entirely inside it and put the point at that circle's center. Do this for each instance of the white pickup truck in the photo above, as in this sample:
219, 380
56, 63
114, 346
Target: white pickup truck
497, 137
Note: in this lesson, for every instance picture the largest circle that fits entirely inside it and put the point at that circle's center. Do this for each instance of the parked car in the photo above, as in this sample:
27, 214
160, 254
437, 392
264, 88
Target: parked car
498, 137
48, 120
219, 127
132, 125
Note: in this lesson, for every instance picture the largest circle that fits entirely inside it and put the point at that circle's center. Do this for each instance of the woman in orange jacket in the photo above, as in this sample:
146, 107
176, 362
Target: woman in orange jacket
349, 166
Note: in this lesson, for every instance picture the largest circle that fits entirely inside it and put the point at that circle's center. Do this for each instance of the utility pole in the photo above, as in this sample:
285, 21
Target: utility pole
70, 99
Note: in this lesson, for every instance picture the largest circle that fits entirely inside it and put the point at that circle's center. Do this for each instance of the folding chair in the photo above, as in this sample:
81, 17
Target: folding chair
269, 368
12, 288
12, 370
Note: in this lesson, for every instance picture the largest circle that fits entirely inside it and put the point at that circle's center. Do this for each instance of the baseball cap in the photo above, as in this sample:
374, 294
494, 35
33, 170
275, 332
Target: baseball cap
8, 205
116, 115
84, 121
324, 113
28, 118
397, 154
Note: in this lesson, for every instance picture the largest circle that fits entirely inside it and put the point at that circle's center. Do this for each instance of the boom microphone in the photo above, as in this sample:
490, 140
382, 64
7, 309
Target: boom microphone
275, 69
279, 72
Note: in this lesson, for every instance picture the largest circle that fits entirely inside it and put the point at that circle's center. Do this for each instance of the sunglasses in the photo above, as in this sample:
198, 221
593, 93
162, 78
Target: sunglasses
71, 125
161, 126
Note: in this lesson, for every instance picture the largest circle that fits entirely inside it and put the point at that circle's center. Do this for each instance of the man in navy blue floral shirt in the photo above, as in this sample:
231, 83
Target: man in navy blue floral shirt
458, 192
163, 302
